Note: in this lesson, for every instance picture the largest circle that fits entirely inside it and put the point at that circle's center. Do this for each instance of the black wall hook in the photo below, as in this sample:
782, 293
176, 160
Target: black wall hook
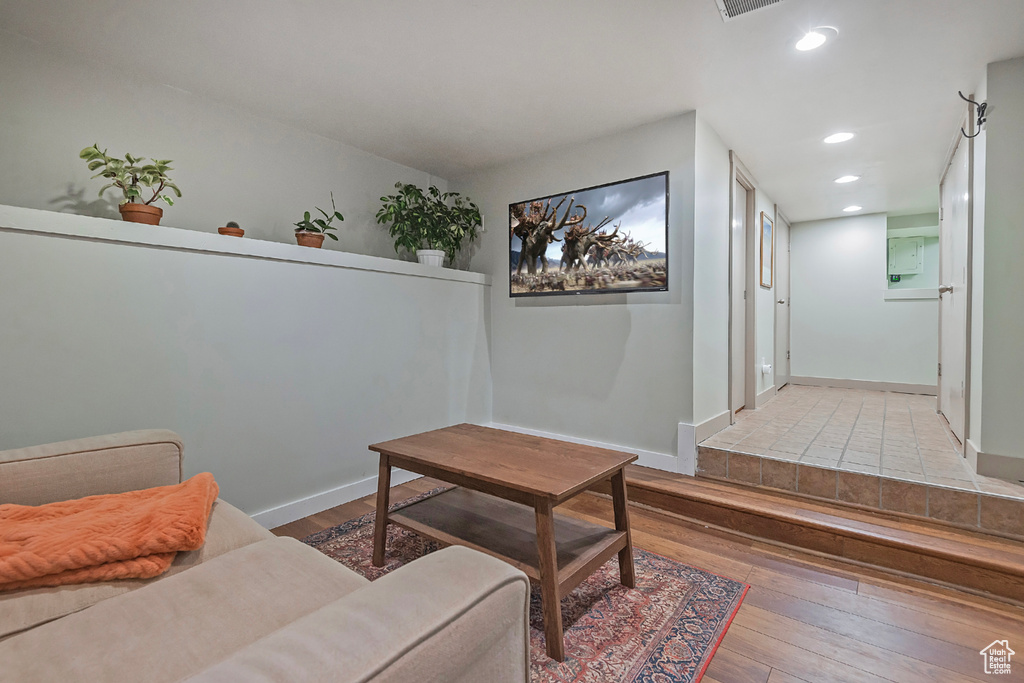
981, 114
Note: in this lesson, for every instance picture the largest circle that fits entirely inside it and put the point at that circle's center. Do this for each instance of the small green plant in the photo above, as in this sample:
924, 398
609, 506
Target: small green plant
429, 220
130, 175
321, 225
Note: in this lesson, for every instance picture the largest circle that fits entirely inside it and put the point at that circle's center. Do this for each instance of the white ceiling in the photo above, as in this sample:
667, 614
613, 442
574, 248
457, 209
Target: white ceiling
449, 86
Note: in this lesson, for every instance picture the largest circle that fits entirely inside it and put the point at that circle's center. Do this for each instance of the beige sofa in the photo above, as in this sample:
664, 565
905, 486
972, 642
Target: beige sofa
249, 606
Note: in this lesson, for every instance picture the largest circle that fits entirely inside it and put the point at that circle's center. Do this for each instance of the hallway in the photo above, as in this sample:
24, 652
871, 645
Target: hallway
897, 436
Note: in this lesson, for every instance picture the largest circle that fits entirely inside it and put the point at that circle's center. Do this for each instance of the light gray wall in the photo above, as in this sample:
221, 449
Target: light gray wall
764, 340
842, 328
710, 275
278, 375
229, 165
616, 368
974, 428
1002, 391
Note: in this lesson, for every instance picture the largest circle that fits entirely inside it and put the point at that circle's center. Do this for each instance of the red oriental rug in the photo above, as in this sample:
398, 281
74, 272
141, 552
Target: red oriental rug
665, 630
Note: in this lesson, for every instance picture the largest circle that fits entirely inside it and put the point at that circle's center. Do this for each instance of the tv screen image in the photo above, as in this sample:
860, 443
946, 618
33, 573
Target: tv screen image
603, 239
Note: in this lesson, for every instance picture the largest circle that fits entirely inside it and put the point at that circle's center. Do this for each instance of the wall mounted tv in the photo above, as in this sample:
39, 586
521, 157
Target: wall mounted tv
604, 239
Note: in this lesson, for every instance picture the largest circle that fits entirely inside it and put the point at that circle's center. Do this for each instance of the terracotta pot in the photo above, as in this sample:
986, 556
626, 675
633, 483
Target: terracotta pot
141, 213
309, 239
234, 232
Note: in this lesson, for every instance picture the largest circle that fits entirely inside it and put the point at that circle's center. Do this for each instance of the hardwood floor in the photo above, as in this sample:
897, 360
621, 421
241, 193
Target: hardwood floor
805, 619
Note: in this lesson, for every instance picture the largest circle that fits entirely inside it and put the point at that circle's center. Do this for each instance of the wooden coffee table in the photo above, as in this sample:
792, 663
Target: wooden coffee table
507, 484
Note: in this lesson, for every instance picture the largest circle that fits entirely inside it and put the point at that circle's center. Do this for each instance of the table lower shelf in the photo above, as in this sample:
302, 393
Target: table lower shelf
508, 531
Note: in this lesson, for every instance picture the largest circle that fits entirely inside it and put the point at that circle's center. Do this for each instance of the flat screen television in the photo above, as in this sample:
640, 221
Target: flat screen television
609, 238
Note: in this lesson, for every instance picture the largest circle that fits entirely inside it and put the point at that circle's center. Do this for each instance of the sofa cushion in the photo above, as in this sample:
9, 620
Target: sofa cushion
229, 528
184, 623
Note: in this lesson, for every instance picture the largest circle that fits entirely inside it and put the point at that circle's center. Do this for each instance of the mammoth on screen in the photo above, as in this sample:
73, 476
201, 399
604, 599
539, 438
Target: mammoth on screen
608, 238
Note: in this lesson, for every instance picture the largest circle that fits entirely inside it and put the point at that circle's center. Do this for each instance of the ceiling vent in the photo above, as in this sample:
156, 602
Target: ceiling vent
731, 9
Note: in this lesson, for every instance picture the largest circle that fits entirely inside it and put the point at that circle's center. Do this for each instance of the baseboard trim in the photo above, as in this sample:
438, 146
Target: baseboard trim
708, 428
764, 396
971, 453
318, 502
898, 387
659, 461
999, 466
686, 445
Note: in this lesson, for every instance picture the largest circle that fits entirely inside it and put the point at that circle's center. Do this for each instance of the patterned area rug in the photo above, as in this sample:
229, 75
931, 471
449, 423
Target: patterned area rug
665, 630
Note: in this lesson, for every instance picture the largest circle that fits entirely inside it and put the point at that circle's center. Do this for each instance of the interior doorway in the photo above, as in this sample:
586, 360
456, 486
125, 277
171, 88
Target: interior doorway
954, 224
781, 301
741, 220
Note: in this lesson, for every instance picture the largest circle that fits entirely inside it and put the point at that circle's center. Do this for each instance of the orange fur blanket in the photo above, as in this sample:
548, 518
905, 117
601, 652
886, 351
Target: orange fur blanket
130, 535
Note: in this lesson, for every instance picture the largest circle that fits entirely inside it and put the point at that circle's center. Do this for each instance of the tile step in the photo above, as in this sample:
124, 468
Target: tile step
941, 501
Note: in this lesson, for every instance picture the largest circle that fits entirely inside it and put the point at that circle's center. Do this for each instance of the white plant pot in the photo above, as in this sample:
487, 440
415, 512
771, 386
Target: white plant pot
430, 257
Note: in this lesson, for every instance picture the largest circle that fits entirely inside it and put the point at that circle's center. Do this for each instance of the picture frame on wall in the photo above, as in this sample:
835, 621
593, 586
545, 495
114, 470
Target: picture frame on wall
767, 250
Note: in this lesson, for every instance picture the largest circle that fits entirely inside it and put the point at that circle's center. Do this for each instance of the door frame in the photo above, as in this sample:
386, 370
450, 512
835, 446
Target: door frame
781, 218
967, 123
738, 173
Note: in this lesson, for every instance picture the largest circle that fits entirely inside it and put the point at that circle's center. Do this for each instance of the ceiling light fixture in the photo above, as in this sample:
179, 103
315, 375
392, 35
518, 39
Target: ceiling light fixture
816, 37
811, 41
838, 137
851, 209
847, 178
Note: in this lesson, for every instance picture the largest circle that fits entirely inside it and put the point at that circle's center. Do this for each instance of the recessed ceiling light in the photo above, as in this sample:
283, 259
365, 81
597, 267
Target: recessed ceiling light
810, 41
817, 37
838, 137
851, 209
847, 178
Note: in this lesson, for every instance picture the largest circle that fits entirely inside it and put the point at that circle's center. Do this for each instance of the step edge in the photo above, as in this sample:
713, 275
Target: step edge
961, 557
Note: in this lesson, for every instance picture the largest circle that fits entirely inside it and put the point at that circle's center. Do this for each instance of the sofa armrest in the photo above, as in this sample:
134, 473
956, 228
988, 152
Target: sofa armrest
456, 616
86, 467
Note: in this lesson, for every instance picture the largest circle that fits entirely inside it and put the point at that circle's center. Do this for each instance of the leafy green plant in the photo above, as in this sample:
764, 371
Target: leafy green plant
429, 220
321, 225
130, 175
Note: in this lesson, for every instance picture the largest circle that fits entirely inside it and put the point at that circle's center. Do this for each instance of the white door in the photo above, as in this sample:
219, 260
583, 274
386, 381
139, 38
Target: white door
781, 303
739, 283
953, 290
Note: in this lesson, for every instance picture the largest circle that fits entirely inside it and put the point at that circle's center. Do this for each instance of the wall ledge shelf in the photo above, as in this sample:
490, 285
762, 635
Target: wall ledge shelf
911, 294
72, 226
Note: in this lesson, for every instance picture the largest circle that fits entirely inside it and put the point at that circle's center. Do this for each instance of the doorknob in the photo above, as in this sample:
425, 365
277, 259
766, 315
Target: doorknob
781, 301
943, 289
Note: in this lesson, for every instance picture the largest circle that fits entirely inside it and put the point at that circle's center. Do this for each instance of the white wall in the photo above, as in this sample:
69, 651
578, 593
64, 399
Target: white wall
229, 165
764, 316
277, 374
615, 368
974, 427
1002, 386
842, 328
710, 275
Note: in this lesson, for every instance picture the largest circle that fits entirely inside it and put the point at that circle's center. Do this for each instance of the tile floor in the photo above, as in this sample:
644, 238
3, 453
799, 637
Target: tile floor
873, 432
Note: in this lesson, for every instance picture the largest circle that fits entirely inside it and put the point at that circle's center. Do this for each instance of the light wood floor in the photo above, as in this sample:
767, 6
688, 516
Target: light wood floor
804, 618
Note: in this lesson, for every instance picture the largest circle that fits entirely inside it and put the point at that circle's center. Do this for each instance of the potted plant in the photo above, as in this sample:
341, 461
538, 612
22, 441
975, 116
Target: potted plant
130, 176
432, 224
310, 233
